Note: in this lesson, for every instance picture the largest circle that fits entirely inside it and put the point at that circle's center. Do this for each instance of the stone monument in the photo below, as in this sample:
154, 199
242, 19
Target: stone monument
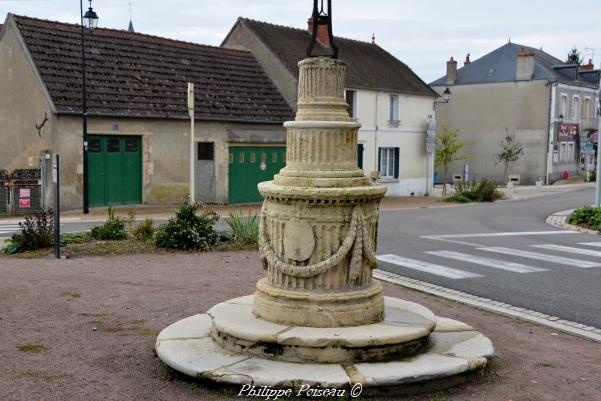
319, 319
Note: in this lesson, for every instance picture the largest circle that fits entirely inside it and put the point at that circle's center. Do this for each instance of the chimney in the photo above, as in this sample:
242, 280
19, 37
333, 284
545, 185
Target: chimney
525, 65
322, 32
467, 60
588, 67
451, 71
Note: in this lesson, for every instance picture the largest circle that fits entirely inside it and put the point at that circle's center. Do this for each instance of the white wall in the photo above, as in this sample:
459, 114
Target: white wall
372, 108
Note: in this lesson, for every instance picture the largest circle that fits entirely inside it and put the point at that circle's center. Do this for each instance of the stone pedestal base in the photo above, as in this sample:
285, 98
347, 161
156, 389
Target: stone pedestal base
345, 309
411, 349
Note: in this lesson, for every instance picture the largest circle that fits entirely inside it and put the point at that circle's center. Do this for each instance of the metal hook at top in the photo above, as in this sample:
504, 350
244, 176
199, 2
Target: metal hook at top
320, 17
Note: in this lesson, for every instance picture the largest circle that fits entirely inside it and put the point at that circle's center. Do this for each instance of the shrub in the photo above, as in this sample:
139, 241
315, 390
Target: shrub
37, 232
472, 191
245, 230
583, 215
112, 230
145, 231
187, 230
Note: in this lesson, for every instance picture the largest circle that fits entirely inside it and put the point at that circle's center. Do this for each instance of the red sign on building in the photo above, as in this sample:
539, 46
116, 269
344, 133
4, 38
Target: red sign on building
568, 132
25, 203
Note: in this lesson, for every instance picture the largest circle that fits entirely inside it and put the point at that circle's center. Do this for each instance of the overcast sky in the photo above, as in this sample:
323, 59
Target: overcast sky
423, 34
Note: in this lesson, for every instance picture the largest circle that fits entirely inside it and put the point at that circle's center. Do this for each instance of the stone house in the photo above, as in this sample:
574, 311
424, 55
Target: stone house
390, 101
139, 128
549, 105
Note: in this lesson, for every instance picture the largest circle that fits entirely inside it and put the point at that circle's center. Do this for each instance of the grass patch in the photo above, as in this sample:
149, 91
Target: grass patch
102, 314
32, 348
38, 376
69, 294
139, 321
544, 365
149, 332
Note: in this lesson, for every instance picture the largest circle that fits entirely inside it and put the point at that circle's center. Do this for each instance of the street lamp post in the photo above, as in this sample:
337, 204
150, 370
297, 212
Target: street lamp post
89, 20
431, 140
598, 173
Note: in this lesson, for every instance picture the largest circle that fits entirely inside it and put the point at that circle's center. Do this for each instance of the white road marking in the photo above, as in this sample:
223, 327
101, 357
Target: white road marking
542, 256
505, 234
488, 262
438, 270
569, 249
598, 244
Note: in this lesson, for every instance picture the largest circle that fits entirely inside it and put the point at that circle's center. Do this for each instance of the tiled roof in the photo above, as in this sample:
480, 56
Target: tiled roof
368, 66
500, 66
136, 75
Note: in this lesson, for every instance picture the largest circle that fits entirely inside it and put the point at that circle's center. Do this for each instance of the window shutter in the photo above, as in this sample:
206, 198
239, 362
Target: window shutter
396, 162
380, 160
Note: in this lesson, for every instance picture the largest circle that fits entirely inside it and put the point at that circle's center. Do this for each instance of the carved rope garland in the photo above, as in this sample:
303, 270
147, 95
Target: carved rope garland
357, 240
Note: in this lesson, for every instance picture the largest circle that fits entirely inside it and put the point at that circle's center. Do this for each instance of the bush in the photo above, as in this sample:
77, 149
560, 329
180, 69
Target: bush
245, 230
37, 232
583, 215
586, 216
187, 230
112, 230
145, 231
472, 191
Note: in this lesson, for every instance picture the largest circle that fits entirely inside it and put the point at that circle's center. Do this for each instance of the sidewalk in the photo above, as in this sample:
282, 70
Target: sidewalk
163, 212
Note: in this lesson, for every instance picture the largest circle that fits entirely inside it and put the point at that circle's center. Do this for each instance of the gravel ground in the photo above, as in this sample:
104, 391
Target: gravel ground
93, 323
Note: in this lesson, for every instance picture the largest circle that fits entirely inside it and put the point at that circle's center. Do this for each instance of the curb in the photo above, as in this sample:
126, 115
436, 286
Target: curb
559, 219
501, 308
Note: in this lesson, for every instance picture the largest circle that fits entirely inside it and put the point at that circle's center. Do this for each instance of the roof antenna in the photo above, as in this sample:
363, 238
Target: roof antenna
131, 25
373, 38
509, 39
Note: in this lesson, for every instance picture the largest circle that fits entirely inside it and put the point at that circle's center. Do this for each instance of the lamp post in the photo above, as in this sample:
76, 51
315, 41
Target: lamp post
431, 140
598, 173
89, 20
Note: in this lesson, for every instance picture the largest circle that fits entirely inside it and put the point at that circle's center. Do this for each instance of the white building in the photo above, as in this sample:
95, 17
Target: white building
390, 101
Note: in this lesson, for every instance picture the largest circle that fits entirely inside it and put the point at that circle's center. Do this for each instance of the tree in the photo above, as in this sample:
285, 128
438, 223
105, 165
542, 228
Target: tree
448, 148
574, 56
510, 151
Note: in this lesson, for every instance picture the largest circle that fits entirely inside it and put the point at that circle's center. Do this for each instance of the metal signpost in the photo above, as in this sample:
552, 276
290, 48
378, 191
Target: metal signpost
191, 113
598, 175
57, 209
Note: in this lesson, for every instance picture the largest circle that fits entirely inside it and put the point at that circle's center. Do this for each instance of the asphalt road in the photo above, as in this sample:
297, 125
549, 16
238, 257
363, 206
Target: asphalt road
503, 251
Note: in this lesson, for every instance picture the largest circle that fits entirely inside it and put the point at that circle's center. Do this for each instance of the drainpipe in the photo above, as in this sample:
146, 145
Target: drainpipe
376, 135
550, 130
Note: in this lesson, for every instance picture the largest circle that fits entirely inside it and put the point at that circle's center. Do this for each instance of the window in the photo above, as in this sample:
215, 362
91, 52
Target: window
351, 100
274, 157
394, 110
206, 151
389, 162
94, 146
575, 108
596, 107
253, 158
131, 145
564, 106
586, 111
566, 152
113, 145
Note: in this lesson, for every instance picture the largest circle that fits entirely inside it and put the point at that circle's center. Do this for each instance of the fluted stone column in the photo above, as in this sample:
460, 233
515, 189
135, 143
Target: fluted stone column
320, 215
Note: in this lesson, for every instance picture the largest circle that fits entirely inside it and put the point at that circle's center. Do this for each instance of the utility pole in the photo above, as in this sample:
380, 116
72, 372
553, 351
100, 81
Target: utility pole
598, 174
192, 153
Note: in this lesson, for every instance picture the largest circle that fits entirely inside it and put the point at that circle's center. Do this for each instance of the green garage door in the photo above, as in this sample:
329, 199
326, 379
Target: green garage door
114, 170
250, 165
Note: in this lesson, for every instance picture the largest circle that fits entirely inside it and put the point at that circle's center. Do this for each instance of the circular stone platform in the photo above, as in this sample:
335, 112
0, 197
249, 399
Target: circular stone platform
410, 347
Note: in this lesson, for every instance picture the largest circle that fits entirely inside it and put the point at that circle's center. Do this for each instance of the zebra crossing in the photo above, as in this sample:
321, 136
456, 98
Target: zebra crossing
440, 269
6, 230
